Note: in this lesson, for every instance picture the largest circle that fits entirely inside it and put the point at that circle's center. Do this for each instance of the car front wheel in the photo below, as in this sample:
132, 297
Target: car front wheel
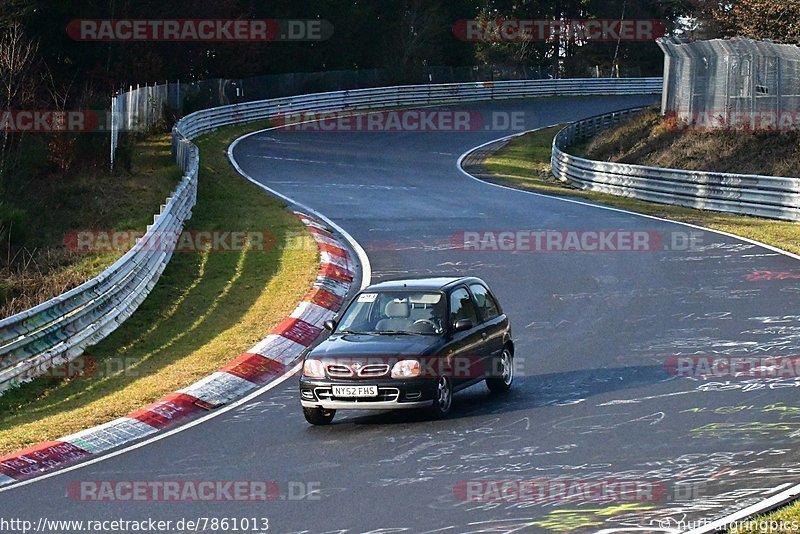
443, 398
502, 373
319, 416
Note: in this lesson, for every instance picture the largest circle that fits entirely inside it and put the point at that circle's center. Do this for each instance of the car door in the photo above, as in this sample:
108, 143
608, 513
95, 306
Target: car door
466, 350
493, 324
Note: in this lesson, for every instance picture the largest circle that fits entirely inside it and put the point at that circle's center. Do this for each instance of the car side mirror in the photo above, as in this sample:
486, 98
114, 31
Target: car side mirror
463, 324
329, 325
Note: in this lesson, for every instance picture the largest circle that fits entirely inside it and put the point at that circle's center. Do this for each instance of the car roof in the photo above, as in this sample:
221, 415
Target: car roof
429, 284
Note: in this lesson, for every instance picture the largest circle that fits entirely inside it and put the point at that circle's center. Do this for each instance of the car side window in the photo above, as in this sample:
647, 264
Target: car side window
462, 306
485, 302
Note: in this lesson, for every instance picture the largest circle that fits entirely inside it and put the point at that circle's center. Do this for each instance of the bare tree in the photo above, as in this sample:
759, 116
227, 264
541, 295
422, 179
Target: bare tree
18, 59
776, 20
418, 27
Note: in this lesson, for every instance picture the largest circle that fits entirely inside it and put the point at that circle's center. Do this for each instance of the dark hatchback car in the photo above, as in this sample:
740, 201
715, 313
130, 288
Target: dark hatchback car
409, 344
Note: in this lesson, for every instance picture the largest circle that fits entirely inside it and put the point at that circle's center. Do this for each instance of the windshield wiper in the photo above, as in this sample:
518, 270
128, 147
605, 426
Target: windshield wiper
395, 333
351, 332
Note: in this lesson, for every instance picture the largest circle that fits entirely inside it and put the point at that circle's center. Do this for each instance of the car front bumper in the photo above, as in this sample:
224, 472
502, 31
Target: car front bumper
392, 394
365, 405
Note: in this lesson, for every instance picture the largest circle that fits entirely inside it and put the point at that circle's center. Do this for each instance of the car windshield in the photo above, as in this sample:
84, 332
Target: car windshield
395, 312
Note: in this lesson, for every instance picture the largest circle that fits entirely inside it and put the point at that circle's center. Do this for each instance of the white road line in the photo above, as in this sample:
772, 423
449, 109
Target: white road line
366, 268
366, 278
601, 207
758, 508
159, 437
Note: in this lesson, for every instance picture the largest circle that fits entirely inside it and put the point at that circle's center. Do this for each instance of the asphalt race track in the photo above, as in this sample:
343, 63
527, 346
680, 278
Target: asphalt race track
594, 398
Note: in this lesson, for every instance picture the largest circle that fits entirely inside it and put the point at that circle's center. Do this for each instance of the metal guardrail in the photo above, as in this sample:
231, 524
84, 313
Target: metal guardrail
142, 108
763, 196
58, 331
409, 95
200, 122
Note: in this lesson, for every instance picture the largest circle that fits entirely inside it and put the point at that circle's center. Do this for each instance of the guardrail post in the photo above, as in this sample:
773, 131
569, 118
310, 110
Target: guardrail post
62, 327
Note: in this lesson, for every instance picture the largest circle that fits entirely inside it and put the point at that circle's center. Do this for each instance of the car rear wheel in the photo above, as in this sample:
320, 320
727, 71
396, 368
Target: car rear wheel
504, 370
319, 416
443, 398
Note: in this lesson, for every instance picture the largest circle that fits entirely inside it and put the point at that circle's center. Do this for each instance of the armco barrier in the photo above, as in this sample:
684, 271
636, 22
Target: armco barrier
269, 359
274, 355
763, 196
58, 331
200, 122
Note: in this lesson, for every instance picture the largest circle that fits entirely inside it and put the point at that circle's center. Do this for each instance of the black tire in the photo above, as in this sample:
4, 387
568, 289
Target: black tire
443, 399
504, 367
318, 416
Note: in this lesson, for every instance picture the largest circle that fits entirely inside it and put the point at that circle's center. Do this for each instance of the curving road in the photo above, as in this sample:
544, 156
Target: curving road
594, 400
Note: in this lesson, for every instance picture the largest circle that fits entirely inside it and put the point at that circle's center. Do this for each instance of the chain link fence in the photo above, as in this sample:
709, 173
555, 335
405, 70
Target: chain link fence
720, 82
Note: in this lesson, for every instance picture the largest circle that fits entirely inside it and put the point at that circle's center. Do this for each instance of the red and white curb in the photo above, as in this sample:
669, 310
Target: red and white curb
266, 361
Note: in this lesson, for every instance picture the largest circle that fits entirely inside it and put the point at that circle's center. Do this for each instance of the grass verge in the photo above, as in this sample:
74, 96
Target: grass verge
207, 308
525, 163
41, 267
788, 516
646, 138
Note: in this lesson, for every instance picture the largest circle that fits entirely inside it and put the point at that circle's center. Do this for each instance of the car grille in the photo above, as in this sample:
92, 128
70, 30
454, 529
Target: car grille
372, 371
337, 370
384, 395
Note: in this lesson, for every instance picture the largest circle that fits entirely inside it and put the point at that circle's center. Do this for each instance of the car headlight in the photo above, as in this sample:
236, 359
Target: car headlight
313, 369
406, 369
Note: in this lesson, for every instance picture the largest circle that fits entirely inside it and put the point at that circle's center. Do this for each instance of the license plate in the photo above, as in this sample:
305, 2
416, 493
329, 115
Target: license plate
355, 391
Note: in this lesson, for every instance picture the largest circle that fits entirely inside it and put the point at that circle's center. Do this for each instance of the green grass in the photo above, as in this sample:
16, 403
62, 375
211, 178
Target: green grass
207, 308
787, 515
525, 163
39, 267
646, 138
